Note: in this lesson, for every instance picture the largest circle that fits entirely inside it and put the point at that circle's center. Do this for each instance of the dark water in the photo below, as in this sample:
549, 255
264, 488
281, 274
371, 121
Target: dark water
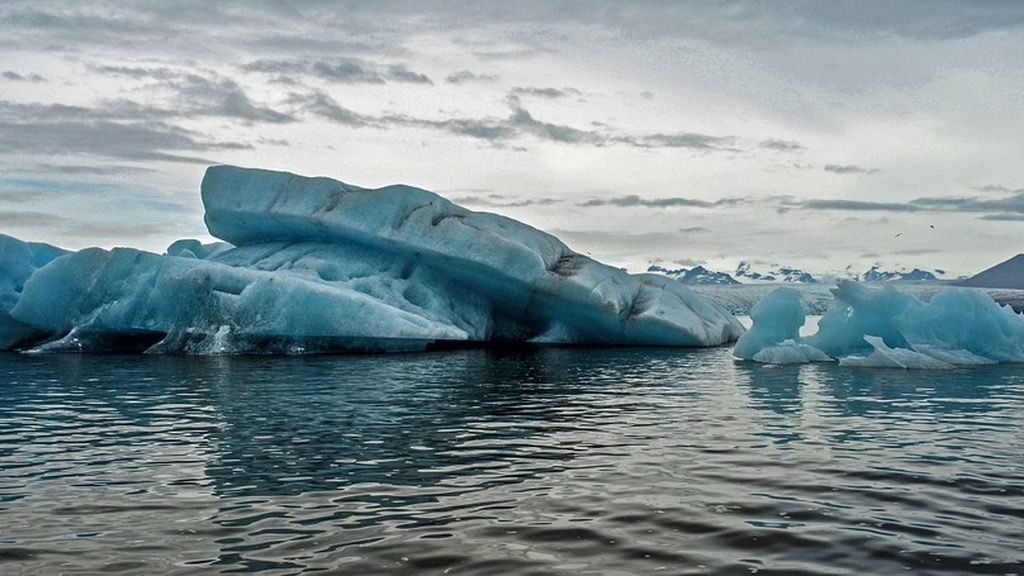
635, 461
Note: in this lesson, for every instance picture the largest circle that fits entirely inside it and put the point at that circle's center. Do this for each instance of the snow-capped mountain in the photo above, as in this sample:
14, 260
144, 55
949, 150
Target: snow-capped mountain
877, 274
694, 276
772, 273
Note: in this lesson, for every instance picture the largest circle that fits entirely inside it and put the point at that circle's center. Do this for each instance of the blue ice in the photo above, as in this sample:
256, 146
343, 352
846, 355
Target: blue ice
887, 328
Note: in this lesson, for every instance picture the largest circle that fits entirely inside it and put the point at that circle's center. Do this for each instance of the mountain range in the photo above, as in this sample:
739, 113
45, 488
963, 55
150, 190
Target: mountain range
749, 273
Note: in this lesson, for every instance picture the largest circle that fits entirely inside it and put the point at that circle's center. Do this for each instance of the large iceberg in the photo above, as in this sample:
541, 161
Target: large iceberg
887, 328
314, 264
18, 262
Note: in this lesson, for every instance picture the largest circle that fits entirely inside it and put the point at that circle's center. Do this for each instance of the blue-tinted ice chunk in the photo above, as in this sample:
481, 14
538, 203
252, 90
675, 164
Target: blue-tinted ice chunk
887, 328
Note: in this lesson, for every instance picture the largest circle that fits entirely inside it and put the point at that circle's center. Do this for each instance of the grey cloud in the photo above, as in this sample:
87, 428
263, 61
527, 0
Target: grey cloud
858, 205
273, 141
916, 251
633, 200
943, 19
1004, 217
997, 188
693, 230
92, 170
73, 227
464, 76
42, 20
544, 92
401, 73
107, 231
322, 105
502, 131
344, 70
1006, 208
525, 122
647, 95
781, 145
16, 77
493, 131
848, 169
309, 28
55, 129
138, 72
682, 140
222, 97
29, 219
500, 201
1014, 203
196, 95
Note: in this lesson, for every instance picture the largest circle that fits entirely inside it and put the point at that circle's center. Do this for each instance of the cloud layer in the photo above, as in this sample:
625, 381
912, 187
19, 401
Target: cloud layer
816, 130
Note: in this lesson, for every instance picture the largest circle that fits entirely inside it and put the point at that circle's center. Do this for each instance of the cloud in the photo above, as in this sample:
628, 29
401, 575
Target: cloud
197, 95
503, 131
848, 169
138, 72
82, 169
691, 140
633, 200
916, 251
126, 134
544, 92
781, 145
501, 201
341, 70
322, 105
1006, 208
29, 219
857, 205
997, 188
73, 227
15, 77
464, 76
101, 231
400, 73
1013, 203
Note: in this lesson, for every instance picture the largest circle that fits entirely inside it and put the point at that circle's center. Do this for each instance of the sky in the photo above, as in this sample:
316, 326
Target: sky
810, 134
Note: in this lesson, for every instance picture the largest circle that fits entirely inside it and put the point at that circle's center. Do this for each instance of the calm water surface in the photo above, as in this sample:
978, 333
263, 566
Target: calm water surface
625, 461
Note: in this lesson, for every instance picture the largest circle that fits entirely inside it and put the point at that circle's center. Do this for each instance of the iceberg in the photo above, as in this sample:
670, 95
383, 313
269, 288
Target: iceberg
887, 328
315, 264
18, 262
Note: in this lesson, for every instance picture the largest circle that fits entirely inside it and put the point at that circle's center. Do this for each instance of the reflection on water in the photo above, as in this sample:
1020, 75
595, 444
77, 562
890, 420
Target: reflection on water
528, 461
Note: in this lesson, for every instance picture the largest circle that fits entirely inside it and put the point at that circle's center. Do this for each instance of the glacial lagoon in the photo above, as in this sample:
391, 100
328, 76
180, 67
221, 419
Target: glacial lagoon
531, 461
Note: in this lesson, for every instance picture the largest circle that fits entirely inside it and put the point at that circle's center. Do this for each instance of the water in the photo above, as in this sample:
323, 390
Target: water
572, 461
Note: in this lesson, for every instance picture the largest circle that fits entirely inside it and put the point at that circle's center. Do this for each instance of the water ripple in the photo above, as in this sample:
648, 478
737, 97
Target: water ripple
629, 461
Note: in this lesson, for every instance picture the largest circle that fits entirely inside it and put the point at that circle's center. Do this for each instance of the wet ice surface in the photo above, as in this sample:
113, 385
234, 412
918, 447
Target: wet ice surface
567, 461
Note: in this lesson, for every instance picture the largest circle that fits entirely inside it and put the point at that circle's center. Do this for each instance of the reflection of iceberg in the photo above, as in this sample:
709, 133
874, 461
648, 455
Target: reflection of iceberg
316, 264
887, 328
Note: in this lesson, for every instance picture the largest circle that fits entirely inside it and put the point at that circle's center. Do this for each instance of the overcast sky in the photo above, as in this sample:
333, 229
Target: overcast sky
798, 133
